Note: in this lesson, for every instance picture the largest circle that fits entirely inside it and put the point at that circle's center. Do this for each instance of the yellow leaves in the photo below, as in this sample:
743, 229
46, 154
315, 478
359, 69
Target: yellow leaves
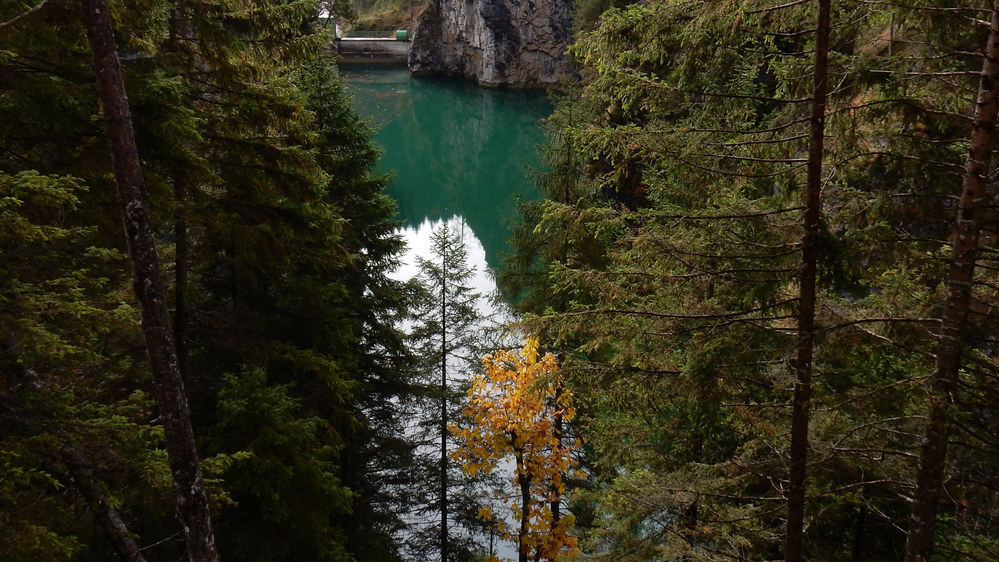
516, 408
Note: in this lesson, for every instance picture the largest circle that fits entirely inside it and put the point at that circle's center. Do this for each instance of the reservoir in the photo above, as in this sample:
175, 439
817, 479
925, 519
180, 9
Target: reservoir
459, 152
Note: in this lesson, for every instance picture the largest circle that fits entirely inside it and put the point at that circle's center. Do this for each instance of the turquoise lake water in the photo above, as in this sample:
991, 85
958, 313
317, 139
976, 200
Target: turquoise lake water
460, 152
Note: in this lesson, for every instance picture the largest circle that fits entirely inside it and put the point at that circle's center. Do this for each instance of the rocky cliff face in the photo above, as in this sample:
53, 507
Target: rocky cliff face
517, 43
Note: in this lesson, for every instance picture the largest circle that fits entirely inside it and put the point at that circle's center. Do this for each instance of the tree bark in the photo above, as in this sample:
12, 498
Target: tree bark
107, 516
557, 428
181, 245
192, 499
801, 399
444, 515
180, 272
954, 320
524, 482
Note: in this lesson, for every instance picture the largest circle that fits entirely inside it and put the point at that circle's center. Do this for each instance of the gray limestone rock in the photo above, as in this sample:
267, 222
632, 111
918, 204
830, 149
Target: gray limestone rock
515, 43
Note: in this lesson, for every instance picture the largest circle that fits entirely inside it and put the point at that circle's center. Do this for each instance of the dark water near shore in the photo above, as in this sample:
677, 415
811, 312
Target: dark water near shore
460, 152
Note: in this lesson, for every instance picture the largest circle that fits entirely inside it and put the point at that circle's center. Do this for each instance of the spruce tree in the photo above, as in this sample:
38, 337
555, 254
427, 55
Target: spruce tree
276, 263
689, 143
447, 338
182, 453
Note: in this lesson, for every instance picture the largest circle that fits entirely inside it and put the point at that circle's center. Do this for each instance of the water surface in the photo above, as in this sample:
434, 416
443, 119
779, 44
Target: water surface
459, 152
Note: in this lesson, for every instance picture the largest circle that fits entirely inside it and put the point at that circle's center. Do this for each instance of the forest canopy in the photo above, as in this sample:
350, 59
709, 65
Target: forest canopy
760, 292
274, 238
766, 256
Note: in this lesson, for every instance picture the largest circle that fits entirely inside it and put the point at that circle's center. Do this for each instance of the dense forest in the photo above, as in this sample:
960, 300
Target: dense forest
755, 306
766, 260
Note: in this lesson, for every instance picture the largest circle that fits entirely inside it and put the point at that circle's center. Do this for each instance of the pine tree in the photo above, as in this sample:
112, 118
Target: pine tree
192, 497
446, 334
954, 319
279, 251
72, 394
689, 142
378, 455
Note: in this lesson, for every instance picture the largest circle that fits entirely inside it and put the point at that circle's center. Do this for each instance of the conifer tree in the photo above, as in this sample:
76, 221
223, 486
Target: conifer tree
447, 334
954, 318
192, 497
279, 258
690, 137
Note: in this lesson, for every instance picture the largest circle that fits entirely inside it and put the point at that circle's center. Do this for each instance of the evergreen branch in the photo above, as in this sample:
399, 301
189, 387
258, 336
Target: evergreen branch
731, 217
674, 250
876, 424
882, 320
714, 550
752, 321
946, 165
740, 49
986, 284
892, 342
901, 195
776, 8
792, 34
22, 15
735, 131
987, 438
985, 267
715, 316
909, 102
765, 141
974, 73
883, 452
924, 8
754, 98
632, 369
735, 174
752, 159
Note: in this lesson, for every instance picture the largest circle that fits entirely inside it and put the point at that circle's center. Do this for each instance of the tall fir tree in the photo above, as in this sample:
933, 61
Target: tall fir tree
690, 141
447, 335
277, 260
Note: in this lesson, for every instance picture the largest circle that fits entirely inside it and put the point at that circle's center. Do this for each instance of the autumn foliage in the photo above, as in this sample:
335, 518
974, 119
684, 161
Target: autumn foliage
513, 409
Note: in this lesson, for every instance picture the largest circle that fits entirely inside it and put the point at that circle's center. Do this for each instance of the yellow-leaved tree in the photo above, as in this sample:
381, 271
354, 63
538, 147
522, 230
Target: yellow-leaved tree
516, 409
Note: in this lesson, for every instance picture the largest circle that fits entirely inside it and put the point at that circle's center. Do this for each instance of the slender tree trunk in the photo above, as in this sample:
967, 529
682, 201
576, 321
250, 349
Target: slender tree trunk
444, 532
192, 500
557, 427
524, 481
180, 272
179, 178
107, 516
954, 320
800, 401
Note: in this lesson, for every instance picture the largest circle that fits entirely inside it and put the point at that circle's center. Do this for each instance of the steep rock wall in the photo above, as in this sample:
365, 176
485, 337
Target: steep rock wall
517, 43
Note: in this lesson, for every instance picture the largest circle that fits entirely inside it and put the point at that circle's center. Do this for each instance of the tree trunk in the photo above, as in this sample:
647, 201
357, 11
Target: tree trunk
557, 428
192, 500
444, 531
181, 245
800, 401
107, 516
954, 320
524, 481
180, 278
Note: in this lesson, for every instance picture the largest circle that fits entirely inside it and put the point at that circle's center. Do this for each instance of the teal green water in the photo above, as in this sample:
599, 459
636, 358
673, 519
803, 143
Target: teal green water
457, 149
